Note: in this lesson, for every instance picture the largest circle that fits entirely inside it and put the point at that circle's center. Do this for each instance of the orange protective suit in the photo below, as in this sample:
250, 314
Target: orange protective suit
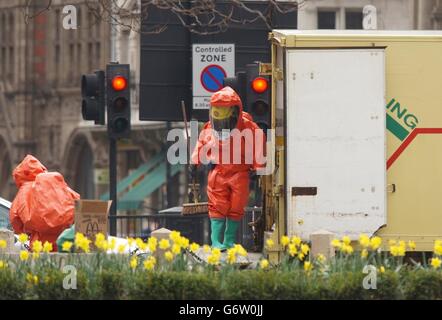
228, 183
44, 205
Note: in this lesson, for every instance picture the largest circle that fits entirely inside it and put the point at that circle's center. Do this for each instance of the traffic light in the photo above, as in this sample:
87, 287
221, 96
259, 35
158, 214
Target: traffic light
118, 97
258, 95
238, 83
92, 91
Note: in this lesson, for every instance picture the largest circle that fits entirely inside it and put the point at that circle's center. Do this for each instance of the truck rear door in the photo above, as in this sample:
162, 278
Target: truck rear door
336, 142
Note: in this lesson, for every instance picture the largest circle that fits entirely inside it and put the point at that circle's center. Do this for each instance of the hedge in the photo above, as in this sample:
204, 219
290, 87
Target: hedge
235, 285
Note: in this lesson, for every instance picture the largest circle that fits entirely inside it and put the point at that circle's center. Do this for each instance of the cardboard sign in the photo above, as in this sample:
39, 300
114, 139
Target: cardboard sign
91, 217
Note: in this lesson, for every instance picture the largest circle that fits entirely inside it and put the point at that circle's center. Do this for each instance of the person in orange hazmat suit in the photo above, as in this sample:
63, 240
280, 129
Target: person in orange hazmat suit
230, 160
44, 204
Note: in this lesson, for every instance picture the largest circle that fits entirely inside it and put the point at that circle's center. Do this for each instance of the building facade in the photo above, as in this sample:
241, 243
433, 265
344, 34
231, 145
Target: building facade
391, 14
41, 64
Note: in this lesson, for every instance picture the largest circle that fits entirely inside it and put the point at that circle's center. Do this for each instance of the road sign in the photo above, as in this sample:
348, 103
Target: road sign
211, 64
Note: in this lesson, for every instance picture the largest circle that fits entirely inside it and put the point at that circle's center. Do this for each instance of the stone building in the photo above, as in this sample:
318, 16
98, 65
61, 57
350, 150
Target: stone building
41, 64
391, 14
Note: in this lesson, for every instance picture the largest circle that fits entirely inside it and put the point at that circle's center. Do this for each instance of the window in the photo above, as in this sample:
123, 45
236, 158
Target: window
353, 19
97, 55
327, 19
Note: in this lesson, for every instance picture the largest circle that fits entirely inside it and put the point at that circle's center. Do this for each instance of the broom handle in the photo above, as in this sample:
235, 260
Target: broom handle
183, 108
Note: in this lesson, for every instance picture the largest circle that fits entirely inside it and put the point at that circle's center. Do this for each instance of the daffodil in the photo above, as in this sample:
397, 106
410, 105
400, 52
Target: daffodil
364, 241
412, 245
152, 244
364, 253
270, 243
33, 279
308, 266
168, 256
438, 248
285, 241
111, 244
436, 262
133, 263
82, 242
296, 241
347, 249
164, 244
231, 256
121, 248
47, 247
149, 263
3, 244
213, 259
392, 242
194, 247
24, 255
346, 240
301, 256
240, 250
66, 246
397, 251
305, 249
321, 258
37, 246
206, 248
176, 249
175, 236
293, 250
381, 269
336, 243
264, 264
99, 237
22, 238
183, 242
130, 242
3, 264
216, 252
375, 243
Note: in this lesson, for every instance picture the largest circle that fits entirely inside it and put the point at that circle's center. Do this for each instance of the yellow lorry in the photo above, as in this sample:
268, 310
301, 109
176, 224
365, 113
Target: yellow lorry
358, 119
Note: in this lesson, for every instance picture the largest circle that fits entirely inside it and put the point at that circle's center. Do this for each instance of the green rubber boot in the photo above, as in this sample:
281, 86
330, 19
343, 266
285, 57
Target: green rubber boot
216, 227
230, 233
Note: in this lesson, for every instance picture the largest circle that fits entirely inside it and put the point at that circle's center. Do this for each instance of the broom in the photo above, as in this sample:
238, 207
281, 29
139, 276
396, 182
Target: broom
195, 207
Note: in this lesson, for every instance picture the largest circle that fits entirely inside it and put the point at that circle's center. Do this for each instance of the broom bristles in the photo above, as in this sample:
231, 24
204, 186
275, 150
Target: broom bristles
195, 208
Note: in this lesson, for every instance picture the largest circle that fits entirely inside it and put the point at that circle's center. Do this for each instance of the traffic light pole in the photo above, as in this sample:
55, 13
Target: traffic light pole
113, 185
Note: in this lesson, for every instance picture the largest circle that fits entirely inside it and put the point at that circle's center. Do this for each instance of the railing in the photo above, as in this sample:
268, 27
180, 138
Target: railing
194, 227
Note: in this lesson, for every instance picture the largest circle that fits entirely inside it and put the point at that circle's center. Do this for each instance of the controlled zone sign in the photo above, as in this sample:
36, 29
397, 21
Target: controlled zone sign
211, 64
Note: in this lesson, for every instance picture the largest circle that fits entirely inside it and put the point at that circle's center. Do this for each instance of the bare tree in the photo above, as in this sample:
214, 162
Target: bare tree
199, 16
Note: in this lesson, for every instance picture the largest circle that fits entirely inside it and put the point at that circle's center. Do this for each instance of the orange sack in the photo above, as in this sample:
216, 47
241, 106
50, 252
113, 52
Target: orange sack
44, 205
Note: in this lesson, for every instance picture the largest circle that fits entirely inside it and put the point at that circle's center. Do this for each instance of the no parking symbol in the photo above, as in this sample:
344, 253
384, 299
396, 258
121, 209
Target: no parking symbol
211, 64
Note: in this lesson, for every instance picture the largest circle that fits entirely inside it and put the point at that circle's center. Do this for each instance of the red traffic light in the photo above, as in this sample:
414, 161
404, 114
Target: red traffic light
119, 83
260, 85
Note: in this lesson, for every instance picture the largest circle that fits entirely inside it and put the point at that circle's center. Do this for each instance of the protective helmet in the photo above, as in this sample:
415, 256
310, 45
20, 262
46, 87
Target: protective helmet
225, 110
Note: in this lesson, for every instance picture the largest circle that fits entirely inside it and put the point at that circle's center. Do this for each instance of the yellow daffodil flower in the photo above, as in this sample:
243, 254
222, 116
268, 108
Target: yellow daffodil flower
285, 241
336, 243
206, 248
364, 241
375, 243
412, 245
308, 266
164, 244
37, 246
296, 241
270, 243
22, 238
346, 240
176, 249
305, 249
321, 258
3, 244
364, 253
194, 247
24, 255
66, 246
264, 264
293, 250
381, 269
47, 247
436, 262
133, 263
168, 256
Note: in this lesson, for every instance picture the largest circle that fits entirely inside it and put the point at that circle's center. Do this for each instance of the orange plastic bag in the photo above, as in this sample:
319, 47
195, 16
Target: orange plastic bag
44, 205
